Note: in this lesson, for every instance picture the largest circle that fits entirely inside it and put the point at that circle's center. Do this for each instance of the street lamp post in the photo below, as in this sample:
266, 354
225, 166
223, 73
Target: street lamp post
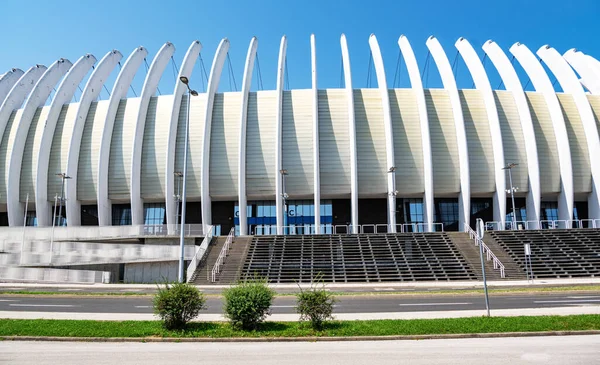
191, 92
177, 197
284, 196
392, 201
63, 176
512, 190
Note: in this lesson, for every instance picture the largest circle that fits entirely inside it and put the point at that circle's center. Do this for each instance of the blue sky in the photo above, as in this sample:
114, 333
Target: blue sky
40, 32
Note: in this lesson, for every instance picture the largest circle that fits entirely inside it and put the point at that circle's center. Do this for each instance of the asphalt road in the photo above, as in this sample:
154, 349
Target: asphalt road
285, 305
568, 350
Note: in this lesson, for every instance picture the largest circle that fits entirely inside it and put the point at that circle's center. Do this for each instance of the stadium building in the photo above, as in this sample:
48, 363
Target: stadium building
306, 161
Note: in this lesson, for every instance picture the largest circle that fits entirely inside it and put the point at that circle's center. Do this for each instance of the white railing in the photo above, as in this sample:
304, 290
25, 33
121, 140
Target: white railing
486, 250
222, 255
543, 224
199, 254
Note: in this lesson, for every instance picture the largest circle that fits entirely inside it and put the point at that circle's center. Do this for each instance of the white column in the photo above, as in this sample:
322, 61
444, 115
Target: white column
90, 93
417, 86
570, 84
511, 82
443, 65
63, 96
157, 68
119, 92
351, 135
211, 89
541, 82
40, 93
315, 111
279, 200
590, 76
7, 81
389, 132
246, 83
482, 83
187, 67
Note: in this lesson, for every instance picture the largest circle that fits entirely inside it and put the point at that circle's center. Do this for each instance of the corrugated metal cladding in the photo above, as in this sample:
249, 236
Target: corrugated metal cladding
370, 143
30, 158
444, 149
260, 144
154, 149
546, 143
334, 143
87, 170
595, 103
119, 167
479, 143
197, 113
297, 142
408, 150
224, 146
60, 147
8, 139
580, 159
513, 141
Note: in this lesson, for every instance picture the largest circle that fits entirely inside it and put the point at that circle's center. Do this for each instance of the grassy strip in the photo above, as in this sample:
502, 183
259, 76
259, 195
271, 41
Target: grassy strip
418, 291
140, 329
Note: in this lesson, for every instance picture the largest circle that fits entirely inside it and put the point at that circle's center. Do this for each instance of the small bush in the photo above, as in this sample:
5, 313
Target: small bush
177, 304
248, 303
315, 305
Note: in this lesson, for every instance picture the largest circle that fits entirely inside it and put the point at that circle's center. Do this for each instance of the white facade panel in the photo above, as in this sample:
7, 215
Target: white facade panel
7, 140
408, 148
595, 104
334, 144
154, 146
32, 144
479, 143
87, 172
119, 167
224, 146
260, 145
513, 140
297, 143
444, 150
60, 148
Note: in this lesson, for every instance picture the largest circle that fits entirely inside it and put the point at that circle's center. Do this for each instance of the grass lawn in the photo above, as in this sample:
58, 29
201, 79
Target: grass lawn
141, 329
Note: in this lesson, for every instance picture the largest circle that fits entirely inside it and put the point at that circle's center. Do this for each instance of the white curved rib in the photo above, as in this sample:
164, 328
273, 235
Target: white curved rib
63, 95
570, 84
315, 110
187, 67
92, 89
482, 83
40, 93
590, 75
541, 82
279, 199
157, 67
417, 86
119, 92
443, 65
351, 135
246, 83
17, 94
389, 132
211, 89
7, 81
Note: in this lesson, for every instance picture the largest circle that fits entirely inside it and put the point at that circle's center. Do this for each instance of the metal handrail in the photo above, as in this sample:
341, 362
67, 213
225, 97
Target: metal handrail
199, 254
486, 250
545, 224
222, 255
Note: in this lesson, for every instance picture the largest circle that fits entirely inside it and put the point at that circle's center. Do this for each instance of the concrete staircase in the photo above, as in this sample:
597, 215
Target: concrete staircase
471, 253
231, 269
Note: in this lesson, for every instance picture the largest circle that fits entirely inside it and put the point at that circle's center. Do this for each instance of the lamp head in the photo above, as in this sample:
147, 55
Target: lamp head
184, 79
194, 93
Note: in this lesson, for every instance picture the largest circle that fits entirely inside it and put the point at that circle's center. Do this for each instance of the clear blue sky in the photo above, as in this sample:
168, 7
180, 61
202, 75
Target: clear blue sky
37, 31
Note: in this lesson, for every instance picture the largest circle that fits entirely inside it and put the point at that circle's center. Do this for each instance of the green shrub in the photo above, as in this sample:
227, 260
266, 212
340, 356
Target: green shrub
247, 303
315, 305
177, 304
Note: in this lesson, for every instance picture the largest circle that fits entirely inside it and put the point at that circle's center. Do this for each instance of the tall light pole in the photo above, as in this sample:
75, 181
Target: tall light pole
392, 201
512, 190
284, 196
191, 92
63, 176
179, 175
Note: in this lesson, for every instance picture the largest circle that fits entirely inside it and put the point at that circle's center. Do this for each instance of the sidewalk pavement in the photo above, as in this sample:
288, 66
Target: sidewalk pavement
355, 287
559, 311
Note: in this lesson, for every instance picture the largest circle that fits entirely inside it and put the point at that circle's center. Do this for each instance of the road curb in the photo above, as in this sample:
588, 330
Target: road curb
301, 339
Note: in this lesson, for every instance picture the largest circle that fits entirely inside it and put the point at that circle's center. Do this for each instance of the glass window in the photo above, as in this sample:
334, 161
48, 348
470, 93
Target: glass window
121, 214
154, 214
